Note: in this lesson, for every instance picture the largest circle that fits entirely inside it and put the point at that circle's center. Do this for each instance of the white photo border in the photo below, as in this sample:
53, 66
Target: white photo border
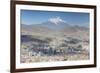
52, 64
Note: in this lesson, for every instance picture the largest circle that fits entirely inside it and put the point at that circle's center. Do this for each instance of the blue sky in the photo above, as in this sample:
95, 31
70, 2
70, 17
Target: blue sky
30, 17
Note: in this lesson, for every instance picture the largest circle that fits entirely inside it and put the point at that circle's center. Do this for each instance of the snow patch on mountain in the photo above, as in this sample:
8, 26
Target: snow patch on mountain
56, 20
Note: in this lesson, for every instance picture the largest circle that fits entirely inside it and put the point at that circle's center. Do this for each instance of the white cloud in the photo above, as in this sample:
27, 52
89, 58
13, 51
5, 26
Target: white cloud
56, 20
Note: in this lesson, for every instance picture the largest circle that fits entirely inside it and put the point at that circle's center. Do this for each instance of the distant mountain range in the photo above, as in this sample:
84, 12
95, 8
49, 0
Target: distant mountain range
55, 26
50, 26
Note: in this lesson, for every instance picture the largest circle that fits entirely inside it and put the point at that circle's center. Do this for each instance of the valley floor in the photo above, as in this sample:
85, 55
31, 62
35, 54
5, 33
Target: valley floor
55, 58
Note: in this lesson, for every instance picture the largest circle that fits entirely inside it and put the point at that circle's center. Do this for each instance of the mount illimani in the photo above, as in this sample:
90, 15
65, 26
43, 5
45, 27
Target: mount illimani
54, 41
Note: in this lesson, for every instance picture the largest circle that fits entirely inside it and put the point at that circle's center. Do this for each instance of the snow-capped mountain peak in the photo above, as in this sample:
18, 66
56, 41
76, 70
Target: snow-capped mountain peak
56, 20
